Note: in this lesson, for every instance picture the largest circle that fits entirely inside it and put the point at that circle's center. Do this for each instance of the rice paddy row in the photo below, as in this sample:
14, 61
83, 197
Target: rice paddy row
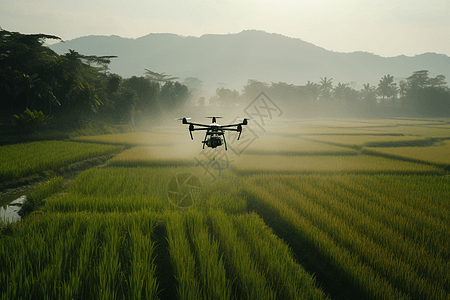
371, 228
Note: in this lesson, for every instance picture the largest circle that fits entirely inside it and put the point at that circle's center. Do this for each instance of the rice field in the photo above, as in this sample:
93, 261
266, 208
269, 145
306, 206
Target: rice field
133, 138
302, 213
359, 141
360, 164
281, 145
20, 160
156, 155
436, 155
373, 228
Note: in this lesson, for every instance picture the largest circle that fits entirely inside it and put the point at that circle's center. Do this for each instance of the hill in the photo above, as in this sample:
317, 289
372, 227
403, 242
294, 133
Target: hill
230, 60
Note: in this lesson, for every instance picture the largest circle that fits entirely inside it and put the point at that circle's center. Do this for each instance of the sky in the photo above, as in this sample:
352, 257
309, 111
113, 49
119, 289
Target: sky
383, 27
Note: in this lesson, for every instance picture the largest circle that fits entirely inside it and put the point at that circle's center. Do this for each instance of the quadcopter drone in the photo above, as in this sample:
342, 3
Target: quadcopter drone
215, 133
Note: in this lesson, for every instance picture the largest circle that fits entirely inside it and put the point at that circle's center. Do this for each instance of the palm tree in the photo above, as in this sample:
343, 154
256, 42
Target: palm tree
326, 86
158, 77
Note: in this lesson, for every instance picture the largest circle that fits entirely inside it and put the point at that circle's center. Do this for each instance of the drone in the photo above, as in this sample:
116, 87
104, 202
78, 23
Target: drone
215, 133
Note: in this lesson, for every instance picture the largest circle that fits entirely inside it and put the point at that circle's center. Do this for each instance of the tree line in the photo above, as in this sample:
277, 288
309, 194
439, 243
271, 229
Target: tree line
75, 88
418, 96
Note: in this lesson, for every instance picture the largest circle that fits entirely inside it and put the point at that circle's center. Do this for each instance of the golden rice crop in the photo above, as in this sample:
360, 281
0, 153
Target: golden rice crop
359, 141
329, 164
134, 138
271, 144
439, 155
157, 155
424, 131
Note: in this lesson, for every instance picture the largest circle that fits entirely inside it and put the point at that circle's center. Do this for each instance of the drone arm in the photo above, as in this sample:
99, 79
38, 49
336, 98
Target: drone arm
204, 141
225, 142
191, 128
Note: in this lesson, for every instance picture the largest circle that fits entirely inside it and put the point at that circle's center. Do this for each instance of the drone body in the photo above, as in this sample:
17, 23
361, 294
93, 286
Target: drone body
215, 133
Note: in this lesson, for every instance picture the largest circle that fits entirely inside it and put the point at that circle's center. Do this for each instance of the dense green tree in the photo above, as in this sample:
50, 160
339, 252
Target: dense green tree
173, 95
254, 88
387, 89
224, 97
26, 72
427, 96
312, 91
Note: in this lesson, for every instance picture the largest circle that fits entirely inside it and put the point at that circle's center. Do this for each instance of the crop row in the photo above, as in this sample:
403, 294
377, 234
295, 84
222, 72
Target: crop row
21, 160
372, 237
218, 256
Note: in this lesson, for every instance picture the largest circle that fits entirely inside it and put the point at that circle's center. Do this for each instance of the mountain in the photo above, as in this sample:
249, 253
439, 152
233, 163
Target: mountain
231, 60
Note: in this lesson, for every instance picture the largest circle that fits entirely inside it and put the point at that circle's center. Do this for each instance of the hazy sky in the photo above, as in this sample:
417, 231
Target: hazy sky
383, 27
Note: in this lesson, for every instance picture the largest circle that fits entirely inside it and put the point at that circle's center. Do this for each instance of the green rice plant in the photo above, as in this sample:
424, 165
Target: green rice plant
289, 279
79, 256
182, 258
21, 160
117, 189
252, 283
369, 240
109, 265
419, 210
361, 164
388, 231
142, 283
212, 274
359, 274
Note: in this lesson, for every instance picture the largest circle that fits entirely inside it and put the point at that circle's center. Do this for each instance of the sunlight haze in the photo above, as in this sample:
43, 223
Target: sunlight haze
385, 28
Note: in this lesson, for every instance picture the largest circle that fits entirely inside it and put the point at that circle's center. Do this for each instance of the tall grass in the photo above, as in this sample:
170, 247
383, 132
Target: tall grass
21, 160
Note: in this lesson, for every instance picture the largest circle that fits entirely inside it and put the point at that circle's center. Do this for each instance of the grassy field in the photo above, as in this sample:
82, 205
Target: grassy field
298, 215
20, 160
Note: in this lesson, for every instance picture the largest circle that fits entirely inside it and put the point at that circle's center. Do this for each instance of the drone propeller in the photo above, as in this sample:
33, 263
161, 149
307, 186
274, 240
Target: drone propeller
183, 119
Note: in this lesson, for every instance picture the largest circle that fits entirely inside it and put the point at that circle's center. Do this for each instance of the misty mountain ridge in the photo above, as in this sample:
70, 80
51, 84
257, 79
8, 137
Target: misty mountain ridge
230, 60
